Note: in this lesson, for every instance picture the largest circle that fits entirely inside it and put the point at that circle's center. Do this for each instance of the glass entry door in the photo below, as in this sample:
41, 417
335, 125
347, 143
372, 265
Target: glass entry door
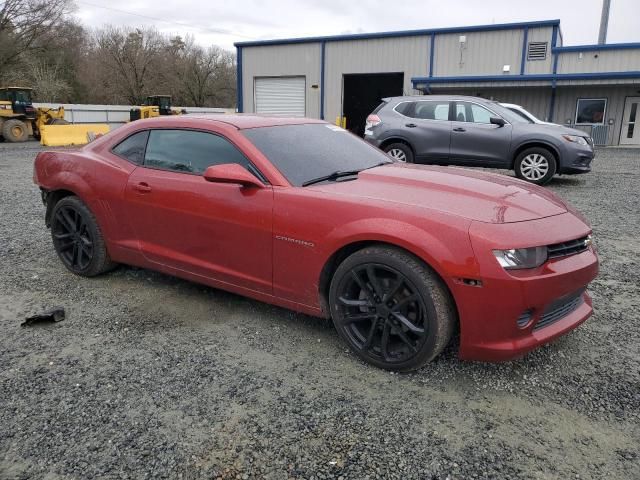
630, 133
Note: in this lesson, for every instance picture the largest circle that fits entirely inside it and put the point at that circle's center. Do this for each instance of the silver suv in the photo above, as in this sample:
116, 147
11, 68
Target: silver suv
470, 131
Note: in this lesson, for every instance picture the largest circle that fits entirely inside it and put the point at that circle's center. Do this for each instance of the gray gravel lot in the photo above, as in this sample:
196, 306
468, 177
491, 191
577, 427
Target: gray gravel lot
154, 377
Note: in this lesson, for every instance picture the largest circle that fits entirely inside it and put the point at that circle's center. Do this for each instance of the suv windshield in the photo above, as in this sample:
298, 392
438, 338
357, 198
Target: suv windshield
310, 151
507, 114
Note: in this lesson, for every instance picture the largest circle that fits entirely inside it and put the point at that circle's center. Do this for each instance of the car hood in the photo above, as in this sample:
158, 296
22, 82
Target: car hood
476, 195
550, 128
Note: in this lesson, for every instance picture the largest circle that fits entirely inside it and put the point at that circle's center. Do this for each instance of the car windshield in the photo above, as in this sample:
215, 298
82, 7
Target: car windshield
527, 116
310, 151
507, 114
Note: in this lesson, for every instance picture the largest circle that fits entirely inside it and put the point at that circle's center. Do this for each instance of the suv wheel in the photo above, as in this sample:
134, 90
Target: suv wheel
400, 152
536, 165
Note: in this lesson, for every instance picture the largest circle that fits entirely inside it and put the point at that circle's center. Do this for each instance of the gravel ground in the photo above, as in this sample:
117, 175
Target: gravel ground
154, 377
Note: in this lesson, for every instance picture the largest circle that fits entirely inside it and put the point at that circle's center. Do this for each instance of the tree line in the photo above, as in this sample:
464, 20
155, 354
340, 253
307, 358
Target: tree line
44, 47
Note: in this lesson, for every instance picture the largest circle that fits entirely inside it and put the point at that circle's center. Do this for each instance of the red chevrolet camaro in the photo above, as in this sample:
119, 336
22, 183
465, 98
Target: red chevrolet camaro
302, 214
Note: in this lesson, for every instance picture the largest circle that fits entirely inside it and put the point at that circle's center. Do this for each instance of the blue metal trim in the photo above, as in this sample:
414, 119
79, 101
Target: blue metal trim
554, 41
432, 53
322, 53
239, 78
594, 48
528, 78
402, 33
524, 50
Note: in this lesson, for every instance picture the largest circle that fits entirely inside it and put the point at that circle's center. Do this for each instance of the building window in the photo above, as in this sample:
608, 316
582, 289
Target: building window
590, 111
537, 51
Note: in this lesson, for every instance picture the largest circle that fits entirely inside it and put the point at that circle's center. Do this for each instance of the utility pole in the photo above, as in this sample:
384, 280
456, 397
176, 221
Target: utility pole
604, 22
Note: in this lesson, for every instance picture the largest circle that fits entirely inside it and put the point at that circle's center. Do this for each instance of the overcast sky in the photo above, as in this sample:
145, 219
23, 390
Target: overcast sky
225, 22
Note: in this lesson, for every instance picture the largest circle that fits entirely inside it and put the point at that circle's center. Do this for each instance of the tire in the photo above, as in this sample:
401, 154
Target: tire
400, 152
369, 302
536, 165
15, 131
77, 238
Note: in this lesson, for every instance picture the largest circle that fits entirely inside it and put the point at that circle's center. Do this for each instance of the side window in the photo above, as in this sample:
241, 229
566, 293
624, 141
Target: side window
189, 151
405, 108
431, 110
132, 148
470, 112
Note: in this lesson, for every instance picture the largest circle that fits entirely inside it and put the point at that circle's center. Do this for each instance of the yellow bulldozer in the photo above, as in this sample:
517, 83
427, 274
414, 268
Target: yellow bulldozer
19, 119
154, 106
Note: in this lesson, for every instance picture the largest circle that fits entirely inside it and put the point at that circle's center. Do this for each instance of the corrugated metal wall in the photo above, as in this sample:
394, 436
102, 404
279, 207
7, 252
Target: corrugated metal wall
567, 98
114, 115
540, 66
408, 54
484, 53
599, 61
283, 60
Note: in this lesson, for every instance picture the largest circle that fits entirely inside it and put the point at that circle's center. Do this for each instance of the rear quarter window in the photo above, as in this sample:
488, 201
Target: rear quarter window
133, 147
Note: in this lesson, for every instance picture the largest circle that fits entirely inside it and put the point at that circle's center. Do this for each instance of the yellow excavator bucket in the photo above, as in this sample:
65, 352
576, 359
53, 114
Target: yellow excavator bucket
76, 134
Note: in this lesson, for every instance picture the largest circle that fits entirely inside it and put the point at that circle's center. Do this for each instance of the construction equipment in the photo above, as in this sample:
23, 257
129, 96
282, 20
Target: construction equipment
154, 106
19, 119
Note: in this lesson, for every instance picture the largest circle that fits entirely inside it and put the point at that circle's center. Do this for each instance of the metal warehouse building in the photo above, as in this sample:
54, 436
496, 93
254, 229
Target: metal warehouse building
593, 87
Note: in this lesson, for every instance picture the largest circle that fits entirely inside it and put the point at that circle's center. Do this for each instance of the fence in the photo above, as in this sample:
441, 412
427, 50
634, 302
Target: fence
113, 115
599, 133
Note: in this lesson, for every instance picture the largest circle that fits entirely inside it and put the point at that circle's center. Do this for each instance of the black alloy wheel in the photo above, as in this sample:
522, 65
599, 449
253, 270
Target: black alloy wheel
77, 238
390, 308
72, 238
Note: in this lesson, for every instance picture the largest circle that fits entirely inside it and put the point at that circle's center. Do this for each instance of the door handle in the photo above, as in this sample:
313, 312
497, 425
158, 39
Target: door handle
143, 187
459, 129
411, 125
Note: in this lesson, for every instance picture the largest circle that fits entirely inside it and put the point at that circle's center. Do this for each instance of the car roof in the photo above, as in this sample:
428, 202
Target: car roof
240, 120
438, 97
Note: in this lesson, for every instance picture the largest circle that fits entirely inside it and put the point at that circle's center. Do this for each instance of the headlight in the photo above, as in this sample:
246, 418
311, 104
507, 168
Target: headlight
517, 258
576, 139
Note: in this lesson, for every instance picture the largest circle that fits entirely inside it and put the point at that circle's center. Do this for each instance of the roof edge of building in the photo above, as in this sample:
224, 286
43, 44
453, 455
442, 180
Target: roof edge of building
400, 33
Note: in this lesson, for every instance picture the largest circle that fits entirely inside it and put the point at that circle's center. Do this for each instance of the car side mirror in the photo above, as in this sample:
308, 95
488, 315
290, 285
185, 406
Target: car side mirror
231, 173
497, 121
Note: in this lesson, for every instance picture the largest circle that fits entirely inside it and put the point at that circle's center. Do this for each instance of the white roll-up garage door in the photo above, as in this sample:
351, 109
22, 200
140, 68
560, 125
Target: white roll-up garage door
280, 96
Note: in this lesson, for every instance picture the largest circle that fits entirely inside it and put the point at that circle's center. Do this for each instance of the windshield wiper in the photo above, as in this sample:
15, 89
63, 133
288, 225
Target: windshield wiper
332, 176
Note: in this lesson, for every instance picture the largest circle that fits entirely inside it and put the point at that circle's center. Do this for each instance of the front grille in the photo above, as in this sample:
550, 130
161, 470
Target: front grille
560, 309
568, 248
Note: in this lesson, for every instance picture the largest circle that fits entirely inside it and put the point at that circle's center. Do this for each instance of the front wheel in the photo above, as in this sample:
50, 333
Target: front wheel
400, 152
535, 165
390, 308
15, 130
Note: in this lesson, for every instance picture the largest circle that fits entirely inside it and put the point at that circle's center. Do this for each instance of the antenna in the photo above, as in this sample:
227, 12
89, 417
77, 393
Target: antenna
604, 22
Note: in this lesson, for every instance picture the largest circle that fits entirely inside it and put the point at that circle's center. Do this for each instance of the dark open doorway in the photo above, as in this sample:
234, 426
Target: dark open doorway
363, 93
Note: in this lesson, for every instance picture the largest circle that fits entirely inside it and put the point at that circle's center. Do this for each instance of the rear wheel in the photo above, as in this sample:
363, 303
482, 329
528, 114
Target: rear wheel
401, 152
15, 131
536, 165
78, 239
390, 308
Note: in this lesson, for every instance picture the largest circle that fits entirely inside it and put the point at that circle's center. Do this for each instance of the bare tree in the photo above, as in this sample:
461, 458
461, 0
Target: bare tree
205, 76
131, 57
46, 79
26, 26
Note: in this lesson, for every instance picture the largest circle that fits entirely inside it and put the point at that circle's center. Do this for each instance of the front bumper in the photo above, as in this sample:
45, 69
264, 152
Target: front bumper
516, 311
577, 160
